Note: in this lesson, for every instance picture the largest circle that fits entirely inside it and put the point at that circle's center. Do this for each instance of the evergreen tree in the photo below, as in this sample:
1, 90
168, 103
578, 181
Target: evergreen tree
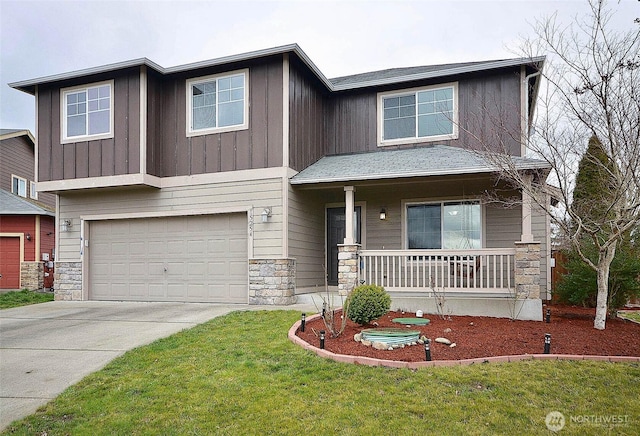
593, 195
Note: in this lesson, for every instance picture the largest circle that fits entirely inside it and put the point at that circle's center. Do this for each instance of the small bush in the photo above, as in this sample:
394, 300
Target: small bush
368, 302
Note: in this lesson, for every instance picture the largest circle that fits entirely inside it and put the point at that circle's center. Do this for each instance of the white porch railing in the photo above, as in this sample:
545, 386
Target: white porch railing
489, 270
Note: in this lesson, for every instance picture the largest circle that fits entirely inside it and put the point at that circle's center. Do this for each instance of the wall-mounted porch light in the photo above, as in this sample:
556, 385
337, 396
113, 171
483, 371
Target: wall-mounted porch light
28, 235
65, 225
383, 214
266, 214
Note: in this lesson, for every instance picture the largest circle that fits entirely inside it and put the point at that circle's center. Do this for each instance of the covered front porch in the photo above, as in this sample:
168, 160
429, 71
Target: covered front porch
429, 234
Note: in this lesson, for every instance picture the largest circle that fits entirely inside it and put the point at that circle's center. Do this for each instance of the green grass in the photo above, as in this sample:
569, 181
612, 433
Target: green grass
239, 374
632, 315
23, 298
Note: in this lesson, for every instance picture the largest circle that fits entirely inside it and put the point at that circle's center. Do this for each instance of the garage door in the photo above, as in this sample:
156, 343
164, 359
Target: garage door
9, 263
195, 258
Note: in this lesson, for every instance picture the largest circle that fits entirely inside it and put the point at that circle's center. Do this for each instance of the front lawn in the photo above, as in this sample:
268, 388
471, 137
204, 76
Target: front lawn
239, 374
23, 298
633, 315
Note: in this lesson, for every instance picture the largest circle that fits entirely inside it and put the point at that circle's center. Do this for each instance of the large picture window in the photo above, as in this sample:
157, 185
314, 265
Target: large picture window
425, 113
446, 225
217, 103
87, 112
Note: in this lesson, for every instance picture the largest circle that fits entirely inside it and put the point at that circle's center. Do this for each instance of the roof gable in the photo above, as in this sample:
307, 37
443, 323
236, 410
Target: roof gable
16, 133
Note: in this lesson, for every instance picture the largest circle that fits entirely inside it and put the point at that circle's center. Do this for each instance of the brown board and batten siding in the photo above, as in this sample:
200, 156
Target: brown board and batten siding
106, 157
259, 146
16, 157
485, 102
306, 117
154, 122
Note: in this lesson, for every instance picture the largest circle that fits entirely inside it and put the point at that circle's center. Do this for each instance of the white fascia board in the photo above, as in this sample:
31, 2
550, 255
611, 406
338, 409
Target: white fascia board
440, 73
130, 180
100, 182
27, 85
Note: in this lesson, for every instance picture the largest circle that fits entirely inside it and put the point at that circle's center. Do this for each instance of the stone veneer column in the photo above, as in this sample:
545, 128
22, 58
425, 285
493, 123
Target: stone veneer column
32, 275
348, 273
67, 281
527, 270
272, 281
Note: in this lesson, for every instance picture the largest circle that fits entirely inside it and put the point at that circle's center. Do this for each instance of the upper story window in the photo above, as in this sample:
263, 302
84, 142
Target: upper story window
19, 186
426, 114
450, 225
217, 103
87, 112
34, 192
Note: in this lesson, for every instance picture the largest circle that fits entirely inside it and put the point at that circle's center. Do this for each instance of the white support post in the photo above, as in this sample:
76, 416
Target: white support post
348, 213
527, 234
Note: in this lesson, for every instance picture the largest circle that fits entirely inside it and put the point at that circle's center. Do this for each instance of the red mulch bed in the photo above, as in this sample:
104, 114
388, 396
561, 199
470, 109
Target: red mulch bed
571, 331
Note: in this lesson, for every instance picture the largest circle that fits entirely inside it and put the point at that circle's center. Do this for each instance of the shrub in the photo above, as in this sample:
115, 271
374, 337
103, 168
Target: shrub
579, 286
368, 302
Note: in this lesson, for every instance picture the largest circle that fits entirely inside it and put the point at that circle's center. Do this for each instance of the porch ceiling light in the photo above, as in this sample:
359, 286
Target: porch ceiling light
266, 213
383, 214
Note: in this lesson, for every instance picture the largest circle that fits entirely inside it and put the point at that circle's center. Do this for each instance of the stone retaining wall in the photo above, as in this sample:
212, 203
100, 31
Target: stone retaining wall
67, 283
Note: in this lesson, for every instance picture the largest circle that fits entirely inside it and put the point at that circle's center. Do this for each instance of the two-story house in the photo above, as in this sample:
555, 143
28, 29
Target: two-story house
253, 178
26, 217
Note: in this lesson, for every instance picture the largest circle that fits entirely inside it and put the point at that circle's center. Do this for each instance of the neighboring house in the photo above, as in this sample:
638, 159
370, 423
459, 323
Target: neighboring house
238, 179
27, 219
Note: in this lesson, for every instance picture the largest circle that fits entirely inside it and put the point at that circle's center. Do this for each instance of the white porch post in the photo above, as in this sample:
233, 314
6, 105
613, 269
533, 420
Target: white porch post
527, 234
348, 213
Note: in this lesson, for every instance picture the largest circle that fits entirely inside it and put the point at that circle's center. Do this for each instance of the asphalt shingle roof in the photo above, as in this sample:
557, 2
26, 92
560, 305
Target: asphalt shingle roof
414, 162
11, 204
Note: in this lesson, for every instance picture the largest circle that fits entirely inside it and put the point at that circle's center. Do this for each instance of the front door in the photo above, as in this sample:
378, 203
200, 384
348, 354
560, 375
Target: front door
336, 232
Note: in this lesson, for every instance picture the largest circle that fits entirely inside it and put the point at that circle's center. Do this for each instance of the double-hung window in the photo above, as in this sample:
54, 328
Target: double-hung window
19, 186
217, 103
87, 112
451, 225
425, 114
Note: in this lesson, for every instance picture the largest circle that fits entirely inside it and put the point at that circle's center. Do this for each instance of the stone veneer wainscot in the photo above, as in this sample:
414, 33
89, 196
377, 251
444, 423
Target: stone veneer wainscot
68, 281
272, 281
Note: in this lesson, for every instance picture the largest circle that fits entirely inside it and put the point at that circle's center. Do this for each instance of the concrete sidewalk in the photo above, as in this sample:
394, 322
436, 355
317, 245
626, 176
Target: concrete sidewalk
45, 348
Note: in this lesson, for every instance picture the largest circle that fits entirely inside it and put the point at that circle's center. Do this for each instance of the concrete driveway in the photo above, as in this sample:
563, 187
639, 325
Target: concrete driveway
45, 348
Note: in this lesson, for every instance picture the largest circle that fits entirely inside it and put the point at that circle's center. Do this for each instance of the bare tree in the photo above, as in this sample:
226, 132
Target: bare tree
590, 88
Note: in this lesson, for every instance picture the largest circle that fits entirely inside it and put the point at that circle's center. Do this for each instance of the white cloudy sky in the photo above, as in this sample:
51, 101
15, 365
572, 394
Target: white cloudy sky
40, 38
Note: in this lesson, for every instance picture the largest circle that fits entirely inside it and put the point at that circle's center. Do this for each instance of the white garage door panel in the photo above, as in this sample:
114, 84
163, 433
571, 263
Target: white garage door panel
196, 258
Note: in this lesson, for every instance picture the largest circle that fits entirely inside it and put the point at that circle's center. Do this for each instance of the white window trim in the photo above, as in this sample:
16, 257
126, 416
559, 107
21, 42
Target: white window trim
244, 126
416, 139
405, 203
64, 139
26, 186
33, 192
